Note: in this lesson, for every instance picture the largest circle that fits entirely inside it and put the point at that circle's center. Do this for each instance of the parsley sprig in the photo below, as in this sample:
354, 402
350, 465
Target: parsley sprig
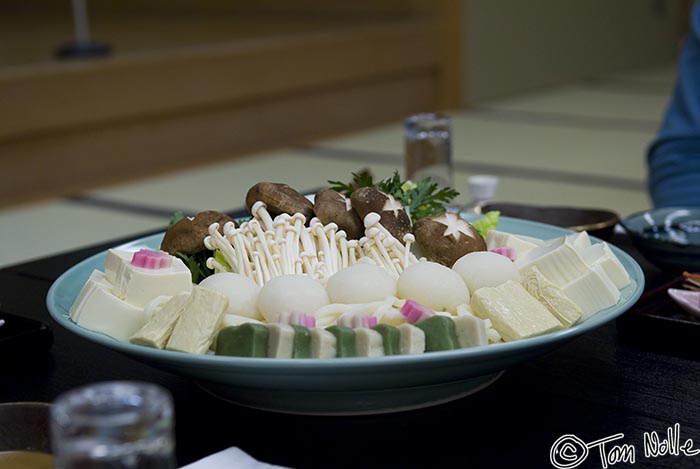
420, 199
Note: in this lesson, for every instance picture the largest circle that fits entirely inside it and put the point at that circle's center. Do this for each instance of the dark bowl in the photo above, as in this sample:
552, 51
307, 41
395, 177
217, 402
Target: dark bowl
668, 237
597, 222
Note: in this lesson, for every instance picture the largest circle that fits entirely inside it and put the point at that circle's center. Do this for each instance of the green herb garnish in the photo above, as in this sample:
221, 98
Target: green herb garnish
420, 199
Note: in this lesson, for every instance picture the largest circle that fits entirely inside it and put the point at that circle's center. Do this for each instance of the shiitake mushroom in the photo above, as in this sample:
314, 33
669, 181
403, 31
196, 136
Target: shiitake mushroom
279, 198
331, 206
392, 214
187, 235
445, 237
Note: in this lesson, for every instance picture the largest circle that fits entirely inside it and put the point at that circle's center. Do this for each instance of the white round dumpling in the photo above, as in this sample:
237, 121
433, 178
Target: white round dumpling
433, 285
241, 291
360, 283
291, 293
485, 269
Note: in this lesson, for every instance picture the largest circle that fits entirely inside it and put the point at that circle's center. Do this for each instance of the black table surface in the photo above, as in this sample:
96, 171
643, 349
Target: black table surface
602, 384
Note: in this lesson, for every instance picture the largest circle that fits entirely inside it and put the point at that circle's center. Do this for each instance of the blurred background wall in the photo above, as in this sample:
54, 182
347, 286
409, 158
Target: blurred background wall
189, 82
509, 46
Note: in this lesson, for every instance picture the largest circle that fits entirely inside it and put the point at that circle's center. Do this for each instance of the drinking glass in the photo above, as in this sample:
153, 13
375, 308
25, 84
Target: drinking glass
24, 435
428, 148
117, 424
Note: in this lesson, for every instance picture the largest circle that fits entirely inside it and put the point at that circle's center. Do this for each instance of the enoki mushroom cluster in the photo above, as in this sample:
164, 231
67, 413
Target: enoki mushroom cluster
266, 247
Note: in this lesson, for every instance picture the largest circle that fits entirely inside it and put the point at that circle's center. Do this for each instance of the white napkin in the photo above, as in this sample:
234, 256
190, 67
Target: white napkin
230, 458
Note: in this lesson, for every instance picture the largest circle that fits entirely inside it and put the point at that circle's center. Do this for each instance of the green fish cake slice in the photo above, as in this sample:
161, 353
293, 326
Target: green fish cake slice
246, 340
440, 333
302, 342
345, 341
391, 338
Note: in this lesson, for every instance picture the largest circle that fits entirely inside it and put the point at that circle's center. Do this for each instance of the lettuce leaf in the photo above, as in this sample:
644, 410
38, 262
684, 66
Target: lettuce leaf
487, 223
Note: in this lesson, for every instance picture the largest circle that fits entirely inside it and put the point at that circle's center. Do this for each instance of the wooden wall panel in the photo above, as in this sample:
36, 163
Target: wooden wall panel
70, 163
34, 102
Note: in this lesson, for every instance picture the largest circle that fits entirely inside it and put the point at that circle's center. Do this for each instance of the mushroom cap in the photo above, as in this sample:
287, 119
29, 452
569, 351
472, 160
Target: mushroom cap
445, 237
279, 198
187, 236
392, 214
333, 207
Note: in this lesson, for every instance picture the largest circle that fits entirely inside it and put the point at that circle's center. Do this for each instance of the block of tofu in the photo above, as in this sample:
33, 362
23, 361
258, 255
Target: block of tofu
97, 279
579, 241
140, 285
558, 261
412, 339
116, 262
600, 254
323, 344
98, 309
280, 342
514, 313
552, 297
158, 329
155, 305
368, 343
592, 291
470, 331
519, 244
199, 322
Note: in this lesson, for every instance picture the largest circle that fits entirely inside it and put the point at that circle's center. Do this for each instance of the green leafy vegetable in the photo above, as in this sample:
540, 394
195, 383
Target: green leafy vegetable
197, 263
177, 216
487, 223
420, 199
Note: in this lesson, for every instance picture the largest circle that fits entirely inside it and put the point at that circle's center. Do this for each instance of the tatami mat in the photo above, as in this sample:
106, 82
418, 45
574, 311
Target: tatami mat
223, 186
552, 193
487, 139
549, 147
598, 101
38, 230
663, 74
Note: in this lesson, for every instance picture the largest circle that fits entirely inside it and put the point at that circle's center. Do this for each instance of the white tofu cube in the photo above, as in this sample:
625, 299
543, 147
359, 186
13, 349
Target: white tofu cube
592, 292
601, 255
99, 310
139, 285
559, 262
